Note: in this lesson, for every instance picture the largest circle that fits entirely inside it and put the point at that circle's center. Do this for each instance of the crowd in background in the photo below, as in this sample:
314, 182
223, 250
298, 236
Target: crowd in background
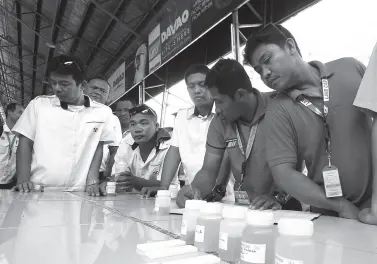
235, 144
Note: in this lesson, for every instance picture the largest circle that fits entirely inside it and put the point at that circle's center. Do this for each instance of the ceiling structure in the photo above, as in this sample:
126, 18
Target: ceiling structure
102, 33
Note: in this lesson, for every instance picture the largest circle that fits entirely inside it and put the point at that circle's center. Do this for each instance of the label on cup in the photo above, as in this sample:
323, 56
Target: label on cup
253, 253
184, 228
199, 233
223, 241
281, 260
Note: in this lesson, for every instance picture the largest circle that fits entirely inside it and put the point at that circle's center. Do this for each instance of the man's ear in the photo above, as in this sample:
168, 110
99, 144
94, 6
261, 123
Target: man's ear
290, 46
240, 93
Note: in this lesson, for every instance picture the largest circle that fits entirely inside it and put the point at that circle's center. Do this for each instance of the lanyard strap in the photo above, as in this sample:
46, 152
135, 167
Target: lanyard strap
10, 144
326, 100
249, 147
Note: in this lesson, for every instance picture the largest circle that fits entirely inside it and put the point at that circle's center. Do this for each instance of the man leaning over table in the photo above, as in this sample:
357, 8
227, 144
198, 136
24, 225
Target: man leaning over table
138, 162
190, 134
98, 90
61, 136
312, 119
8, 147
366, 99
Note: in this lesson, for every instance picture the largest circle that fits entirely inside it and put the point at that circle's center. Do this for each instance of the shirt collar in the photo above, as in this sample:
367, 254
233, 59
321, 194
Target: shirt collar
193, 112
162, 136
64, 105
6, 128
324, 72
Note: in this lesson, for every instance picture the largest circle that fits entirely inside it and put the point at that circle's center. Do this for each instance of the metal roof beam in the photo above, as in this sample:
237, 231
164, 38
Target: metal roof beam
19, 48
59, 11
84, 23
126, 26
7, 39
36, 44
15, 69
125, 45
105, 33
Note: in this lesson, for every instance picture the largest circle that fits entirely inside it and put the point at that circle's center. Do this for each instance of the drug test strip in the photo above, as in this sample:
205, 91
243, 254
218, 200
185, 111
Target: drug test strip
172, 251
160, 245
205, 259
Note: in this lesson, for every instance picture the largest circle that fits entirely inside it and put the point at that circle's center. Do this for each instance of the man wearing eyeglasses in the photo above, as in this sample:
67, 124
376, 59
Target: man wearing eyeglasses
61, 137
313, 119
138, 162
98, 90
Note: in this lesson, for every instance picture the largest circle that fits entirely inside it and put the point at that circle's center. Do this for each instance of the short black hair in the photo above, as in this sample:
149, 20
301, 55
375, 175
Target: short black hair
67, 65
11, 107
270, 34
228, 76
101, 79
196, 68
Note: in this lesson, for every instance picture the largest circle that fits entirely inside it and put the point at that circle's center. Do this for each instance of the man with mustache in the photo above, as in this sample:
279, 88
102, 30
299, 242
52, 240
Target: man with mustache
312, 119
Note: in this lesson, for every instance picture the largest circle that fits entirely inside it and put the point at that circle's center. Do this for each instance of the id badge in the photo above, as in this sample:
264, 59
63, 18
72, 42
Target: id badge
242, 197
331, 181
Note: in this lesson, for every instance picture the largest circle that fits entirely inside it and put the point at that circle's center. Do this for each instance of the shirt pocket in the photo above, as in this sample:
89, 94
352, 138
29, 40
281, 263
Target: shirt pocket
4, 146
154, 168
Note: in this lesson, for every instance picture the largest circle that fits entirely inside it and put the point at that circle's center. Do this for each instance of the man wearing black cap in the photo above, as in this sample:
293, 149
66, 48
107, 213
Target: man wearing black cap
239, 130
62, 136
313, 119
138, 162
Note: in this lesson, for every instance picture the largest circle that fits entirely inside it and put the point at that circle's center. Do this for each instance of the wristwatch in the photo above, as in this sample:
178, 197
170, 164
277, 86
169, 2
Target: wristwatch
217, 194
281, 197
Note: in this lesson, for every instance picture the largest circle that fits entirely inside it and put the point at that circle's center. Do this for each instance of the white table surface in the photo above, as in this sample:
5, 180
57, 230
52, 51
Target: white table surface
74, 228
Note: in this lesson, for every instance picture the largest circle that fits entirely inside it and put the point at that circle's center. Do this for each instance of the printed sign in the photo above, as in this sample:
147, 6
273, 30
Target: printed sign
117, 82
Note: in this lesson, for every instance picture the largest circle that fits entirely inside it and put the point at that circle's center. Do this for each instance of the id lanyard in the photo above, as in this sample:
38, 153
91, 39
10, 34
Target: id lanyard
10, 146
249, 147
326, 100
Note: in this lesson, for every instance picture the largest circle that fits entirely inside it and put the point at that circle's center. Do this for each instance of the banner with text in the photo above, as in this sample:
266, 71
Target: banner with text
117, 82
182, 22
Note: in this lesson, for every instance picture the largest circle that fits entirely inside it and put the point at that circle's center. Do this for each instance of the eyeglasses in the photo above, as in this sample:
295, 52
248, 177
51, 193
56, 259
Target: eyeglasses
142, 109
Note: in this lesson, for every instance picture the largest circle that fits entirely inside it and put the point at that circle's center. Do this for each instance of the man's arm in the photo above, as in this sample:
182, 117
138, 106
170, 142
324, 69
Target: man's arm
23, 163
305, 190
93, 174
143, 183
374, 161
112, 152
170, 167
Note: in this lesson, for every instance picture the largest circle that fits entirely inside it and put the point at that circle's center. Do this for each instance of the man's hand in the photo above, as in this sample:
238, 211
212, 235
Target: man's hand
96, 189
367, 216
150, 191
348, 210
125, 181
187, 192
26, 186
264, 202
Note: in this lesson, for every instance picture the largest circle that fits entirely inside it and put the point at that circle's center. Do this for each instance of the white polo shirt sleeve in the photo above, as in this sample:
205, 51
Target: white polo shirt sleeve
122, 157
27, 123
177, 124
108, 134
117, 131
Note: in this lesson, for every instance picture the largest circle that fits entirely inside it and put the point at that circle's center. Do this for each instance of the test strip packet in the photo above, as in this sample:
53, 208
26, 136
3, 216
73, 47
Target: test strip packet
169, 252
160, 245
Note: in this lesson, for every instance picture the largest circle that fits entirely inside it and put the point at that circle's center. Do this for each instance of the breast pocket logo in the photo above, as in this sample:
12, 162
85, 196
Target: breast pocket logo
95, 129
231, 143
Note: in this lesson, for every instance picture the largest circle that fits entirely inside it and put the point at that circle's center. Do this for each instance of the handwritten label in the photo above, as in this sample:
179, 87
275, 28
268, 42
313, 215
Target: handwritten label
199, 233
253, 253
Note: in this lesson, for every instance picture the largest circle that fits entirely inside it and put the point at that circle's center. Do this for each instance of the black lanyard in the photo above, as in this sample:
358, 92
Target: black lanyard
326, 100
249, 147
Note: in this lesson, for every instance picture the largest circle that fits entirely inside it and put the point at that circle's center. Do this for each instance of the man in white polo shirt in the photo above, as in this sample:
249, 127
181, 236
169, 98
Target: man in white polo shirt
190, 134
8, 147
98, 90
122, 108
138, 162
62, 136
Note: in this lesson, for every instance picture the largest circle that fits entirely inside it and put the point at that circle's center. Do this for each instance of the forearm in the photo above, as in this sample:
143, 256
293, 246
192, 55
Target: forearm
141, 183
170, 167
204, 181
110, 162
374, 162
93, 174
23, 159
224, 174
305, 190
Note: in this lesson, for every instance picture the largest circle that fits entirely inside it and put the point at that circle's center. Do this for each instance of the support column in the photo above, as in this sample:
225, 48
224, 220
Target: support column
142, 92
235, 35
